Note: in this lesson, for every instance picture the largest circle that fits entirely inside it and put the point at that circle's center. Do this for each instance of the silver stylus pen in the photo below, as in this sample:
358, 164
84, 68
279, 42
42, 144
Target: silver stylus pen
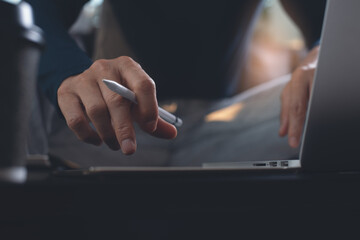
128, 94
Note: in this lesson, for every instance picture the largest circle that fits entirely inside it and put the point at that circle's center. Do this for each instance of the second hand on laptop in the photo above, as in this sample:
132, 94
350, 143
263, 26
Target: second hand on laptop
128, 94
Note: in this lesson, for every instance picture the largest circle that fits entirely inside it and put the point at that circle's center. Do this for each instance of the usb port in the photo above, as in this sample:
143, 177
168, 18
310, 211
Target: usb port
284, 164
273, 164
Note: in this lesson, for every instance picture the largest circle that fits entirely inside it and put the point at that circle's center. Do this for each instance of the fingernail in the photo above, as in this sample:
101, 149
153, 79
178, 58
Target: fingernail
293, 142
128, 146
151, 126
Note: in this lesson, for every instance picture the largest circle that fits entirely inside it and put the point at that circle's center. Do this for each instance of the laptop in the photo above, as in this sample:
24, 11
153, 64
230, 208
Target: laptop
330, 141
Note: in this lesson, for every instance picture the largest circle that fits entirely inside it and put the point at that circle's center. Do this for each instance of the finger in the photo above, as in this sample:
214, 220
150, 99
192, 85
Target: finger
165, 130
98, 113
120, 112
134, 77
76, 120
297, 112
284, 115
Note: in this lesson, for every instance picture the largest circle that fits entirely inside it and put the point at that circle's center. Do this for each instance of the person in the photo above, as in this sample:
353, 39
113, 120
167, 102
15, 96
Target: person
183, 49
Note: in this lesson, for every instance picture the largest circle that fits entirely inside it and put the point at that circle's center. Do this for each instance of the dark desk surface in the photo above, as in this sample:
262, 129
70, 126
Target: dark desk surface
176, 203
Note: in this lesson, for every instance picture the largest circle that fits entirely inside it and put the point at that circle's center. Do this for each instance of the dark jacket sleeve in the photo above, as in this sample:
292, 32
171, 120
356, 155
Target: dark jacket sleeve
61, 57
309, 16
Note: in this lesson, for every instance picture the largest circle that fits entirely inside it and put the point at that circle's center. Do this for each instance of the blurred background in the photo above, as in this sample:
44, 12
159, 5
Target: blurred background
276, 46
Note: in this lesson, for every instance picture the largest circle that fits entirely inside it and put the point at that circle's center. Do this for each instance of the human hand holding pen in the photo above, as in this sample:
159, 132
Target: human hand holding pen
129, 95
84, 98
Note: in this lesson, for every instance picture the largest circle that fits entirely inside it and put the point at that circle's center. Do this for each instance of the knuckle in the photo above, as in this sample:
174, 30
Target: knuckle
80, 81
127, 63
96, 110
62, 90
123, 131
75, 122
146, 84
125, 59
81, 78
66, 86
115, 101
299, 109
100, 65
148, 116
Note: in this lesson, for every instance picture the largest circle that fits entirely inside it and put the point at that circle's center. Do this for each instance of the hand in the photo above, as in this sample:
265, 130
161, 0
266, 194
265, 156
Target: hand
84, 98
295, 97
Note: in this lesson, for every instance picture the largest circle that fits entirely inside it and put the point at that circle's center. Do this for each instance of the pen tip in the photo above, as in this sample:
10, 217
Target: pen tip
107, 82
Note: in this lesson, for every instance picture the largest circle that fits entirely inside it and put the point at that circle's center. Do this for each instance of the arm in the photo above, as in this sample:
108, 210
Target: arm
61, 57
